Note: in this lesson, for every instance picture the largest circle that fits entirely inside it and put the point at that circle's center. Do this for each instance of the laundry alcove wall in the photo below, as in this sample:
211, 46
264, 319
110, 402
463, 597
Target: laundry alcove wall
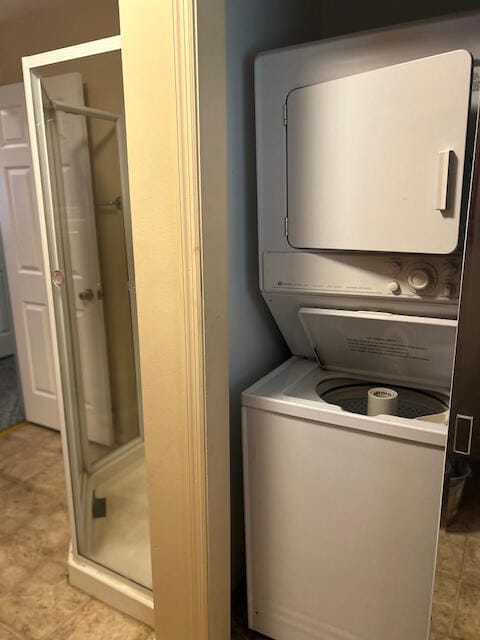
255, 344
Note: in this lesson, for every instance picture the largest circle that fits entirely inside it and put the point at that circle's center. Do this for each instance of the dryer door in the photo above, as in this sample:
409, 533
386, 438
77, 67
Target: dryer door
375, 161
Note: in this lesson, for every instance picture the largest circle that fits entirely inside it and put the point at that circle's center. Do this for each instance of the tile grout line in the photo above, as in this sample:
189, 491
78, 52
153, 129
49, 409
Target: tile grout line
455, 608
51, 634
12, 632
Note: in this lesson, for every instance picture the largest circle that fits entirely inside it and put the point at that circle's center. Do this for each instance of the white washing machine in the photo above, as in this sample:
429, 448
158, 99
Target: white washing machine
342, 508
363, 182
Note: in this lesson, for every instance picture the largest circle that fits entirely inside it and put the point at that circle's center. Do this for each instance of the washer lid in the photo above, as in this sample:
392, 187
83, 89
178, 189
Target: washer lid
412, 349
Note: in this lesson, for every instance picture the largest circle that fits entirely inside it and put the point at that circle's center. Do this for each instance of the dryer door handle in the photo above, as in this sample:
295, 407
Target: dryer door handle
444, 162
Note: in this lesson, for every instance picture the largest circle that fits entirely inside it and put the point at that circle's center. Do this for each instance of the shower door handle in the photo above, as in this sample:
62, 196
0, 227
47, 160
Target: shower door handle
86, 295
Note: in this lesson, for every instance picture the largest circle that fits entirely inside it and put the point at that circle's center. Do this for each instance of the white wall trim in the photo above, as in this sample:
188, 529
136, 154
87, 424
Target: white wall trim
185, 43
83, 50
177, 158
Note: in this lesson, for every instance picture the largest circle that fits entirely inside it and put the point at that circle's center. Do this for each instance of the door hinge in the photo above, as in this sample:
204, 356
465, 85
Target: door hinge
285, 115
286, 227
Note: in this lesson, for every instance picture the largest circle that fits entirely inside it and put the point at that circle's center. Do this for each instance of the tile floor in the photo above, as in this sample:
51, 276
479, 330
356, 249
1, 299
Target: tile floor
36, 601
456, 600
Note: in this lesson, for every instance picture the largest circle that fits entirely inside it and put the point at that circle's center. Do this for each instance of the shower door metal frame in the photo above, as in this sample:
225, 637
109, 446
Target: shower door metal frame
74, 458
119, 122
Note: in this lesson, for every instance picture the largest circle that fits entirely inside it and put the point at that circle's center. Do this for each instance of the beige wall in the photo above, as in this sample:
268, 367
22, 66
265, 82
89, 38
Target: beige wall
63, 24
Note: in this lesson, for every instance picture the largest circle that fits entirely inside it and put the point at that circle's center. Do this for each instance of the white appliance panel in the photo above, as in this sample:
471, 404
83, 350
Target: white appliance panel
375, 160
284, 308
326, 532
278, 72
364, 275
291, 389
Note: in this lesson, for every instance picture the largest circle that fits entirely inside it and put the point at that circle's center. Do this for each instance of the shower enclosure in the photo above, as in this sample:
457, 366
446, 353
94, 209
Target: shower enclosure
81, 177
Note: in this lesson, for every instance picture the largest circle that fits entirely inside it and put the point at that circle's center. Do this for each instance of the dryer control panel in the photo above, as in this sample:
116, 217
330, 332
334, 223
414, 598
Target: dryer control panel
433, 278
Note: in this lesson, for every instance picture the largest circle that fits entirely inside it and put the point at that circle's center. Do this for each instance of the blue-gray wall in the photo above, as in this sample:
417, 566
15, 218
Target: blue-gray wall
256, 346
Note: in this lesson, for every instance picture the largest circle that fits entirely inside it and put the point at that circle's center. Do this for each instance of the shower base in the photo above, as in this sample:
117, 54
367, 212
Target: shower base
110, 588
114, 565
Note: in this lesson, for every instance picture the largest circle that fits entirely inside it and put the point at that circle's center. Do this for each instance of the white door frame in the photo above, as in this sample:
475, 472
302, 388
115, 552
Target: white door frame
173, 56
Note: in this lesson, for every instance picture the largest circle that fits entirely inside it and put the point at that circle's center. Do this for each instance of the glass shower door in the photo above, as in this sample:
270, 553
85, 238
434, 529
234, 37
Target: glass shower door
78, 285
89, 243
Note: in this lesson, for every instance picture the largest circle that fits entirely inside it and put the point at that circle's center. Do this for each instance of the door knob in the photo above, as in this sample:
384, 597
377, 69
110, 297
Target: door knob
86, 295
58, 278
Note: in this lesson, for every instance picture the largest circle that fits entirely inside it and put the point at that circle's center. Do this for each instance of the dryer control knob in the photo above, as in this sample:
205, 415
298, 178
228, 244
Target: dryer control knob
394, 268
449, 270
420, 279
394, 287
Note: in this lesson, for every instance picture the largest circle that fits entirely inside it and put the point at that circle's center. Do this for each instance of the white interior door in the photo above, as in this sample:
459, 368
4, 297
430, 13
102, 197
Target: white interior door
23, 257
25, 267
7, 338
375, 161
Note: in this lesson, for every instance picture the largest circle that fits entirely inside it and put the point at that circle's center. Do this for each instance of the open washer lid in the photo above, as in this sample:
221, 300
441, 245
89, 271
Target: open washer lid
411, 349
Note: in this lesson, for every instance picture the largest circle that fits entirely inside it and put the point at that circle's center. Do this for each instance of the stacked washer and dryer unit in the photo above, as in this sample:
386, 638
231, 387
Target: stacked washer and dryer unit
363, 190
